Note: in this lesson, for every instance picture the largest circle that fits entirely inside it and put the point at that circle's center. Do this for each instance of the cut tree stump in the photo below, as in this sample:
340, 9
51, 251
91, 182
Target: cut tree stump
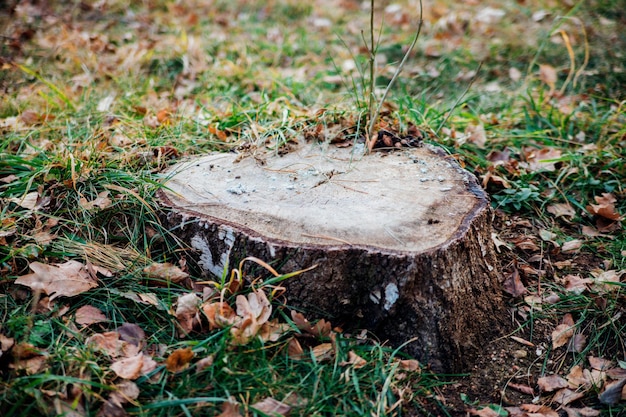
401, 239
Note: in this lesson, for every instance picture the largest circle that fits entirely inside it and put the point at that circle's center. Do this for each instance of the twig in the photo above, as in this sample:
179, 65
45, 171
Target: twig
374, 118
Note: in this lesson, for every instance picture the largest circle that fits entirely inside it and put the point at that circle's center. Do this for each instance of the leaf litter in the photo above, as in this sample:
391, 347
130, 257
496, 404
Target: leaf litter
246, 319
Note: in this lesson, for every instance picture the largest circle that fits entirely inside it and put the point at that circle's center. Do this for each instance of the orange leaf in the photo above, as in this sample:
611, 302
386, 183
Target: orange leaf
179, 360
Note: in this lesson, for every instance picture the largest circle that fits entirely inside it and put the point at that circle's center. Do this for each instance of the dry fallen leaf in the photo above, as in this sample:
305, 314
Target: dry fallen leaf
354, 360
88, 314
410, 365
484, 412
110, 343
525, 389
577, 343
576, 284
179, 360
272, 407
565, 396
165, 272
605, 207
219, 314
321, 329
607, 281
535, 410
204, 363
547, 74
128, 368
68, 279
229, 409
541, 159
563, 332
273, 330
578, 377
571, 246
581, 412
612, 393
102, 201
552, 383
254, 311
599, 363
124, 392
132, 333
28, 358
562, 210
513, 284
28, 201
187, 309
323, 351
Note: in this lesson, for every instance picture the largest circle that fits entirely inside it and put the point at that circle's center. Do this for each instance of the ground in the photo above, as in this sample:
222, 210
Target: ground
98, 98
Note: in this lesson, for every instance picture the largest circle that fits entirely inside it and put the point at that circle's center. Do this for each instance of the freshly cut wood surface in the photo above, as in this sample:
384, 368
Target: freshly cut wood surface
402, 239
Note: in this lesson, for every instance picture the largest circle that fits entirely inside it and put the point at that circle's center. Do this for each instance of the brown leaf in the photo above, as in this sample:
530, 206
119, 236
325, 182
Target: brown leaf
111, 344
68, 279
128, 368
179, 360
28, 358
581, 412
513, 284
166, 272
28, 201
547, 74
571, 246
541, 159
552, 383
294, 349
355, 360
321, 329
565, 396
576, 284
563, 332
561, 210
323, 351
187, 308
88, 314
410, 365
525, 389
204, 363
219, 314
6, 343
607, 280
102, 201
599, 363
535, 410
114, 406
578, 376
605, 207
273, 330
476, 134
577, 343
229, 409
484, 412
272, 407
132, 333
612, 394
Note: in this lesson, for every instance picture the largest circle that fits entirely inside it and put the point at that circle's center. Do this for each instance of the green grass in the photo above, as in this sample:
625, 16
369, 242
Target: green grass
231, 74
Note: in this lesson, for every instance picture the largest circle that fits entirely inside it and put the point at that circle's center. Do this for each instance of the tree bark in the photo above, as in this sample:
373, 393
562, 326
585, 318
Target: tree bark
401, 240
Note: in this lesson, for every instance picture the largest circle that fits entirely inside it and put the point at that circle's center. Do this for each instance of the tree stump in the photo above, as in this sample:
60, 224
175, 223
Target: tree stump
401, 239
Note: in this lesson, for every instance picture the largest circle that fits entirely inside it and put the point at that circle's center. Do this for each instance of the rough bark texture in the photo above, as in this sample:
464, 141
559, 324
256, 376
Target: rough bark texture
440, 292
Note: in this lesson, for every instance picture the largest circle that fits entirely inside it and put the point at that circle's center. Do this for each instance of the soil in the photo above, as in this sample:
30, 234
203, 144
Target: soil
506, 362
